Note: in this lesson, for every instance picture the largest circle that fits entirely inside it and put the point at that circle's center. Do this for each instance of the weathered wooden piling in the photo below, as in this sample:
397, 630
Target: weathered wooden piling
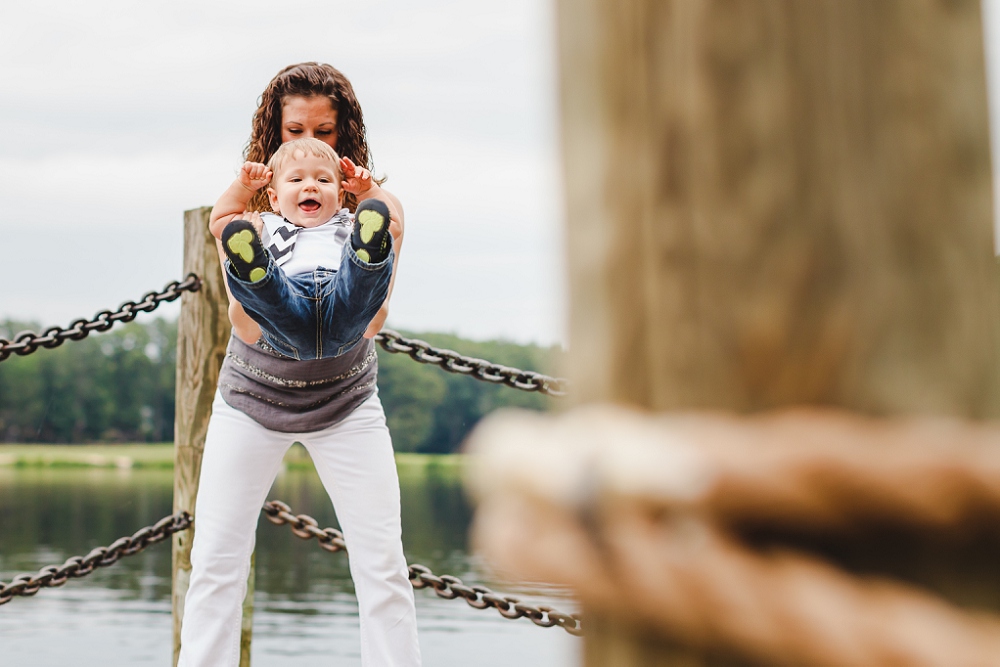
770, 204
775, 202
203, 330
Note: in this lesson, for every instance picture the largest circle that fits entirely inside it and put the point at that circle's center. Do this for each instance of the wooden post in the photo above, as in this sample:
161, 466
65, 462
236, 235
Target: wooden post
246, 628
776, 203
779, 202
202, 333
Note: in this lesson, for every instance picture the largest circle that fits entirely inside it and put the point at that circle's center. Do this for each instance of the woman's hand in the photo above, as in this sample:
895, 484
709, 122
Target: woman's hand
376, 324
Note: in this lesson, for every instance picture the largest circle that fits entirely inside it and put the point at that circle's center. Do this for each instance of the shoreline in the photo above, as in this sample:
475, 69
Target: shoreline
160, 456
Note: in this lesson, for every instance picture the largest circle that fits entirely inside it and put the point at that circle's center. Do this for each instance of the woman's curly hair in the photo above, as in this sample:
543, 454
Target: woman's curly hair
307, 80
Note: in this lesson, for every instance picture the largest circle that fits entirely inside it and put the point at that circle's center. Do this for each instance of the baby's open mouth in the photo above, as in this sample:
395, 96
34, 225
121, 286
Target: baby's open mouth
309, 205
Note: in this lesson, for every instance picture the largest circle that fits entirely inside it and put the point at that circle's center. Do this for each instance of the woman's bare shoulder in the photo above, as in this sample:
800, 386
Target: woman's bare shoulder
395, 202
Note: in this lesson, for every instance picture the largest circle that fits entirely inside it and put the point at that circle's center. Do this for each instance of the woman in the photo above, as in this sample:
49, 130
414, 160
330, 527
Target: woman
309, 100
267, 401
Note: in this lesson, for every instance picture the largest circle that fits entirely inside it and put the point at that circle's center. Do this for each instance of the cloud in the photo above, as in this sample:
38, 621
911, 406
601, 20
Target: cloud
117, 116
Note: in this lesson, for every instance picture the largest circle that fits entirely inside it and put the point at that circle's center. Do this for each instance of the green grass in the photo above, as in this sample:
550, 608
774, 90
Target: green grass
161, 455
88, 456
407, 462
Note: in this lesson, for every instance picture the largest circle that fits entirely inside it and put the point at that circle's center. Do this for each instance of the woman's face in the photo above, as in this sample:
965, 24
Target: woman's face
314, 117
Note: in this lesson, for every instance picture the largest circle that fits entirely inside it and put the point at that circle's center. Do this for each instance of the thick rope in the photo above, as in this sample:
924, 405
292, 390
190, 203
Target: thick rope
703, 590
643, 516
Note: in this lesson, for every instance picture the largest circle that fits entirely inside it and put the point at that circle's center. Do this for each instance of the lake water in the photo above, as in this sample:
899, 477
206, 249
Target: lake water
305, 609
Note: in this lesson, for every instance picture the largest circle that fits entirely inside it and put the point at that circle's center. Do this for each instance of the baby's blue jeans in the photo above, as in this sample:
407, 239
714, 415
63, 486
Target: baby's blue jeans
319, 314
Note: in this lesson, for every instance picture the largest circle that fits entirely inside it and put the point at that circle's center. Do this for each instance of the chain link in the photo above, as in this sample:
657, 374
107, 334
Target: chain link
444, 586
480, 369
303, 526
481, 597
80, 566
27, 342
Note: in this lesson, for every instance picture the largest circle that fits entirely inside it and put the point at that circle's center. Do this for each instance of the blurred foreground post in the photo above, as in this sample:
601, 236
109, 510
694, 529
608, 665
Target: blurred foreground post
780, 202
770, 204
202, 333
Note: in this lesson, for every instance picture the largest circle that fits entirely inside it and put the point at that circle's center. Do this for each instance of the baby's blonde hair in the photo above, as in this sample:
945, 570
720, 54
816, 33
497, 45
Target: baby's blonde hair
307, 146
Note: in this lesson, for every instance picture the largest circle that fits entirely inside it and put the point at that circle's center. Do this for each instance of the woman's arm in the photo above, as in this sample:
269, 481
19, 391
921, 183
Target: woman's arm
397, 243
245, 328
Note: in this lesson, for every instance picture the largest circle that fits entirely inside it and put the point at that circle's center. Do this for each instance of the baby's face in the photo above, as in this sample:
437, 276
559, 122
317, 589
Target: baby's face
306, 190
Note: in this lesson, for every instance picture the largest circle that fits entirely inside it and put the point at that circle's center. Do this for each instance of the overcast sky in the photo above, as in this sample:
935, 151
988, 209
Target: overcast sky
117, 116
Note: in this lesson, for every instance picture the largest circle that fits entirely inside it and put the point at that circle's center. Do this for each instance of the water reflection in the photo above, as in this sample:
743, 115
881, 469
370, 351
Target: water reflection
305, 612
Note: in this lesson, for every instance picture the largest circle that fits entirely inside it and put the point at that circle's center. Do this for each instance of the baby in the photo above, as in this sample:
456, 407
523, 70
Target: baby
322, 277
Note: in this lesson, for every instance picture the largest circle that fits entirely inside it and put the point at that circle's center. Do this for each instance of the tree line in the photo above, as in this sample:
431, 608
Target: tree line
119, 387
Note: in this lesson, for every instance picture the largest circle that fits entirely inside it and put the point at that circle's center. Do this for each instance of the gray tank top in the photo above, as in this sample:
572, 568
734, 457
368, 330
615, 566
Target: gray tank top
292, 396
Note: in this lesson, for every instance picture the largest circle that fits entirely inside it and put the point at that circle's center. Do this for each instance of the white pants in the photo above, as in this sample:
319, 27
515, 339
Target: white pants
355, 462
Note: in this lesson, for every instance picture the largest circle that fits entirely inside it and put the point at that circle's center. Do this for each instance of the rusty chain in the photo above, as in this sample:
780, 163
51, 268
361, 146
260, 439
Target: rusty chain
27, 342
303, 526
445, 586
481, 597
480, 369
52, 576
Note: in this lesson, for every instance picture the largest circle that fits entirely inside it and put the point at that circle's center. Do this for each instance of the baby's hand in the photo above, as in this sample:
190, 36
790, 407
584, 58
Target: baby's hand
254, 175
357, 180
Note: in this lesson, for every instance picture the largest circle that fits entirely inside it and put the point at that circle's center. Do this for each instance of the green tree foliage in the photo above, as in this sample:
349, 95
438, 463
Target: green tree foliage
109, 387
431, 411
119, 386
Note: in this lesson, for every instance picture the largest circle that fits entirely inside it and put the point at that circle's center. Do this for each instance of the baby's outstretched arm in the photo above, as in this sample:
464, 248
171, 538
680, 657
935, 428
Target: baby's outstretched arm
359, 181
233, 202
245, 328
252, 177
